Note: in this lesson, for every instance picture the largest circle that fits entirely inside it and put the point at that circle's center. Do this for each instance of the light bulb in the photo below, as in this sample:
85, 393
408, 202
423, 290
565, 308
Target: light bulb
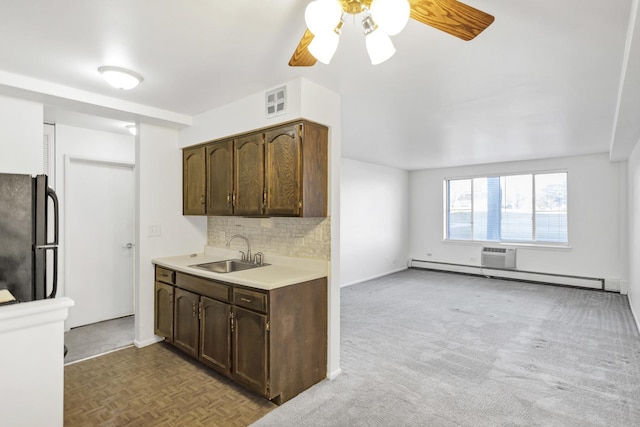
379, 46
120, 78
324, 46
390, 15
321, 16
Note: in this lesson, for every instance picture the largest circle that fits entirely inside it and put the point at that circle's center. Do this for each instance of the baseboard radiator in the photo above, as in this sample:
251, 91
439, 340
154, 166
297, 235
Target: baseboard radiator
505, 272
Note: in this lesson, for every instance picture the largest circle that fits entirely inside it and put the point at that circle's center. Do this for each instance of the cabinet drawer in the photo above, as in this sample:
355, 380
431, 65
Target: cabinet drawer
250, 299
202, 286
165, 275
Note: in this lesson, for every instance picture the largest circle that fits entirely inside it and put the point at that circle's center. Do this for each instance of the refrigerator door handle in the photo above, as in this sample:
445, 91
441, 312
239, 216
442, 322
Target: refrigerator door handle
52, 194
54, 285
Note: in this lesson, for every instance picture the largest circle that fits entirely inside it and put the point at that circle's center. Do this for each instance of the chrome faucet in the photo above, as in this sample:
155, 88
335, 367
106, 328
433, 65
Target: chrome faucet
247, 256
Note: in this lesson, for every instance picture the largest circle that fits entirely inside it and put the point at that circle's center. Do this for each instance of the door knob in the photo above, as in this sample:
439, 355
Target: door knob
128, 245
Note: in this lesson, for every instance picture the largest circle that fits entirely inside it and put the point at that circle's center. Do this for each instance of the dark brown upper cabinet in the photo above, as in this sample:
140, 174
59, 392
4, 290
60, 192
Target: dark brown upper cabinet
220, 178
249, 174
194, 181
296, 170
278, 171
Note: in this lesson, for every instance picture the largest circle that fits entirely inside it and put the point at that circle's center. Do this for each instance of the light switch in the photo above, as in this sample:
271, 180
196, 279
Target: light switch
155, 230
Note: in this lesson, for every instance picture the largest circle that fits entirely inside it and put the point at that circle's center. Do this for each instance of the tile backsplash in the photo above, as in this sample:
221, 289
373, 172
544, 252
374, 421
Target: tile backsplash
293, 237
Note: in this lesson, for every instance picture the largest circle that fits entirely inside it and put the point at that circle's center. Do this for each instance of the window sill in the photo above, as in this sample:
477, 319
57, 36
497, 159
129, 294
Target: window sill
534, 246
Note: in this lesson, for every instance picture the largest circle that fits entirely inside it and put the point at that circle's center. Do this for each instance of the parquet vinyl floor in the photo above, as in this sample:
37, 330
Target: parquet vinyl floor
155, 386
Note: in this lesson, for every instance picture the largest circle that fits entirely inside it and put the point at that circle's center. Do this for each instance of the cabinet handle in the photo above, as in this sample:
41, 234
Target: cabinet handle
202, 199
228, 199
264, 198
233, 199
245, 299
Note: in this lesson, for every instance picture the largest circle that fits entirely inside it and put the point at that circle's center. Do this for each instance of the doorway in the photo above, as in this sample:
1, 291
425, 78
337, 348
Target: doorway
98, 239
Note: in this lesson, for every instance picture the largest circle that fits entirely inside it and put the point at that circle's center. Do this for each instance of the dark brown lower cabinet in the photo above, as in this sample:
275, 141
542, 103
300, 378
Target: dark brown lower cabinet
186, 321
163, 319
250, 350
215, 334
272, 342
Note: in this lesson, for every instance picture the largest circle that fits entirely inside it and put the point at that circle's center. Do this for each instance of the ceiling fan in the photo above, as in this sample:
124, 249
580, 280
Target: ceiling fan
325, 18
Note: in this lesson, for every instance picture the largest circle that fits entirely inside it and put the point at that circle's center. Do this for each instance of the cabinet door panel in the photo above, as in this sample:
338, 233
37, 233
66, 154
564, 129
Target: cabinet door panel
193, 181
249, 174
186, 321
215, 334
163, 324
283, 171
220, 178
250, 349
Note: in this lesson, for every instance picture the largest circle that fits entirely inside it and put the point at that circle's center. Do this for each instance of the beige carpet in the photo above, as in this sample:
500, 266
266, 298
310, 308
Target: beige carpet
422, 348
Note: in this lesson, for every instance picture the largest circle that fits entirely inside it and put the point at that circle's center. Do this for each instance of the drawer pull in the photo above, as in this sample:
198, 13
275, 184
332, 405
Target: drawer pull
245, 299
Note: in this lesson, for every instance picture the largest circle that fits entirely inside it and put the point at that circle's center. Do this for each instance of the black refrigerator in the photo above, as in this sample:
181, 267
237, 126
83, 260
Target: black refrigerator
27, 246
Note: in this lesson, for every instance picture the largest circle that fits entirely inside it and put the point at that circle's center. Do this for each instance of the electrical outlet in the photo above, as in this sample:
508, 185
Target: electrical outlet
155, 230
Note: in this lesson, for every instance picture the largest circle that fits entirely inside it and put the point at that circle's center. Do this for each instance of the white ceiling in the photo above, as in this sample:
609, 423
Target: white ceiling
542, 81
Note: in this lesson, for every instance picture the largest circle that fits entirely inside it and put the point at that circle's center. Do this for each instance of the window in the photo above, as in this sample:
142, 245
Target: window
529, 208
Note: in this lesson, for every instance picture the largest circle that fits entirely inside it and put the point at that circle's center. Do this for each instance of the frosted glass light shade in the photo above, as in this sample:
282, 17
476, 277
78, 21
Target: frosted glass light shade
322, 16
379, 46
120, 78
324, 46
390, 15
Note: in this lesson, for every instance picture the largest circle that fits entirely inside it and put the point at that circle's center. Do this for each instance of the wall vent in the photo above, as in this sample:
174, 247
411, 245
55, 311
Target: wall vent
276, 102
498, 257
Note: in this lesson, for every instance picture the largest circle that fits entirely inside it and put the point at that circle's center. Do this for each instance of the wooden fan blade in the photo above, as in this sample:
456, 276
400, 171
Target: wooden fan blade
451, 16
301, 57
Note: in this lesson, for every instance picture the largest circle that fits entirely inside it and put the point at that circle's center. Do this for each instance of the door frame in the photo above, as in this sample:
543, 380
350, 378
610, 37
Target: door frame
64, 259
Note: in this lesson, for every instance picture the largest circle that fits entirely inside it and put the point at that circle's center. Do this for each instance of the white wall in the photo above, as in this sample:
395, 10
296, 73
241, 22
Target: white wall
241, 116
21, 135
159, 202
84, 143
323, 106
310, 101
634, 231
374, 221
594, 218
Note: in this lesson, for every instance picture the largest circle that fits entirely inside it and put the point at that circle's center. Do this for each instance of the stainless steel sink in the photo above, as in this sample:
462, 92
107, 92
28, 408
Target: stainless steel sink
227, 266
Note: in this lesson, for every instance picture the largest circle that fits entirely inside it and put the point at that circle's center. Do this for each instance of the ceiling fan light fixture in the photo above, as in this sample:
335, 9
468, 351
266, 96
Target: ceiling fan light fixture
324, 46
379, 45
390, 15
321, 16
120, 78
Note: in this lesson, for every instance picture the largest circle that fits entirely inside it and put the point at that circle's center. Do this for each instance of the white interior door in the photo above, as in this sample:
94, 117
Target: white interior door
99, 232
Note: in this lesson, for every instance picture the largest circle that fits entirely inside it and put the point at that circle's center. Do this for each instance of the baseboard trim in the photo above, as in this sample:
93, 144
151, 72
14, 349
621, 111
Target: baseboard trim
373, 277
633, 312
140, 344
335, 374
582, 282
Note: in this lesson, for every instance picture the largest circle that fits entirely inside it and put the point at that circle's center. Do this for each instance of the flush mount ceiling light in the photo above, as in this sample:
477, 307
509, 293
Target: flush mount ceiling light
381, 19
120, 78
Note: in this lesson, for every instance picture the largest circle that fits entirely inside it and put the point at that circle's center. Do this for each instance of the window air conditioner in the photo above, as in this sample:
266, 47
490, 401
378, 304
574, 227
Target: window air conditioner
498, 257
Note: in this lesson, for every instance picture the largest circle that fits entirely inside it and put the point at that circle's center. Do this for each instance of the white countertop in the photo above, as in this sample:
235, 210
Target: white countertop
282, 271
